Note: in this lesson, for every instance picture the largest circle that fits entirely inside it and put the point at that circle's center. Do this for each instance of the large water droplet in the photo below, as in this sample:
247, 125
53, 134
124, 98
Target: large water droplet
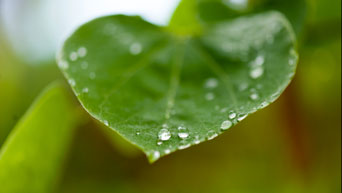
226, 125
232, 115
135, 48
164, 134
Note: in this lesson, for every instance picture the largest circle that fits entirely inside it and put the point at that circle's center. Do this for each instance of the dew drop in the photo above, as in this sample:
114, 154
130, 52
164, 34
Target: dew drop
106, 122
183, 135
64, 65
256, 72
164, 134
259, 61
241, 117
197, 140
210, 96
72, 82
73, 56
135, 48
92, 75
254, 96
85, 90
167, 151
184, 146
243, 86
82, 52
212, 134
159, 142
224, 110
232, 115
156, 155
226, 125
211, 83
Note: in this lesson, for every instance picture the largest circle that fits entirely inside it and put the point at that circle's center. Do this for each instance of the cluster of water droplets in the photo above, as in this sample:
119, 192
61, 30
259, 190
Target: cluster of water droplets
81, 52
210, 84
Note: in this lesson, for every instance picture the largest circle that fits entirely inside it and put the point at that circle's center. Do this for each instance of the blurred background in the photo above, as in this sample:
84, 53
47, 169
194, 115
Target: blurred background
293, 146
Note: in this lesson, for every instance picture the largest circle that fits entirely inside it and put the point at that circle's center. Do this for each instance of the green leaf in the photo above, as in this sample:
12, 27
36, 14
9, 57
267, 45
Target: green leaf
147, 85
32, 156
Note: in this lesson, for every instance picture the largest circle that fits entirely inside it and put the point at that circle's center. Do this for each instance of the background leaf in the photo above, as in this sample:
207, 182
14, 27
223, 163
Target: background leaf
165, 93
31, 159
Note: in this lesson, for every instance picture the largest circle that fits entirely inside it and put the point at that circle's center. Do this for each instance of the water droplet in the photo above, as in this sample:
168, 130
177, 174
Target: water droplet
211, 83
82, 52
73, 56
212, 134
167, 151
264, 104
138, 133
224, 110
183, 135
92, 75
136, 48
159, 142
197, 140
164, 134
259, 61
241, 117
243, 86
293, 57
210, 96
254, 96
232, 115
84, 65
63, 64
72, 82
85, 90
156, 155
106, 122
226, 125
184, 146
256, 72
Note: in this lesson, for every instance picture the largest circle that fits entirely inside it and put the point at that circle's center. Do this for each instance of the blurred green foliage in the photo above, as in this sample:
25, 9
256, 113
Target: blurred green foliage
293, 146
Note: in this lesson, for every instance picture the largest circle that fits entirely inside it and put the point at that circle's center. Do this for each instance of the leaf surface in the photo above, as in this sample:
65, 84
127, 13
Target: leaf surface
164, 92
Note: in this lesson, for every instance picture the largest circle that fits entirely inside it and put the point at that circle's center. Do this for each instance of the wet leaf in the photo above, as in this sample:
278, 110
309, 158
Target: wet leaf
165, 92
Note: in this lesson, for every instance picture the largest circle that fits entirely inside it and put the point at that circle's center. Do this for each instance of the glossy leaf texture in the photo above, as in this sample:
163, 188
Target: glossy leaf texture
33, 155
164, 92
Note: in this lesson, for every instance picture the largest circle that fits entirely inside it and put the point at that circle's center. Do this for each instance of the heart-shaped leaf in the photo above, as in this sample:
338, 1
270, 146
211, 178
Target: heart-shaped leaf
164, 92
